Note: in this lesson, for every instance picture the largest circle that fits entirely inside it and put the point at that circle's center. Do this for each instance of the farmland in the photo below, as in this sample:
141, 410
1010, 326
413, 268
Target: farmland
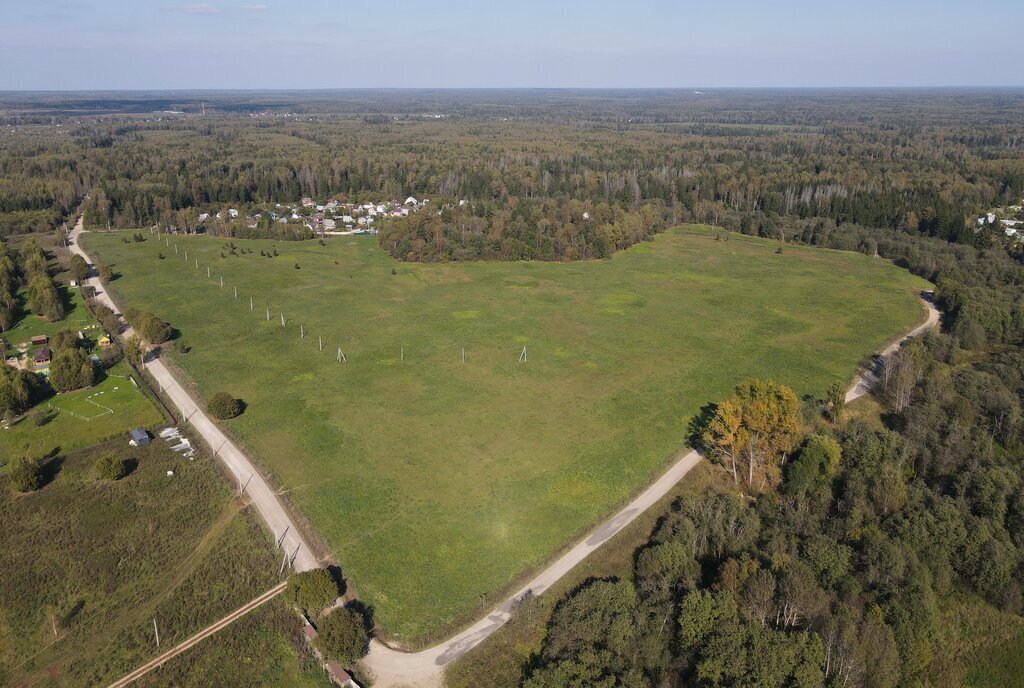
436, 482
89, 563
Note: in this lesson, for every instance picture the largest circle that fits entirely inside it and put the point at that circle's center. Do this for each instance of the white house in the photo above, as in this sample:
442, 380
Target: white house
233, 213
411, 201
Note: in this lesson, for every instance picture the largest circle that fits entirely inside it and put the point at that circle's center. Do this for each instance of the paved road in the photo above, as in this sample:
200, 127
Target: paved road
424, 669
205, 633
262, 496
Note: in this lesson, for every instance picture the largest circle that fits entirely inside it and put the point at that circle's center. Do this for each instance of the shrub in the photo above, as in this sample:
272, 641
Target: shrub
223, 406
79, 268
111, 468
104, 272
108, 319
341, 635
26, 473
311, 591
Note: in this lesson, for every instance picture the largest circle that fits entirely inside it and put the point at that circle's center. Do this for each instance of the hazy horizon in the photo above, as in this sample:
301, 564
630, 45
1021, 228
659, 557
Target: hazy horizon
404, 44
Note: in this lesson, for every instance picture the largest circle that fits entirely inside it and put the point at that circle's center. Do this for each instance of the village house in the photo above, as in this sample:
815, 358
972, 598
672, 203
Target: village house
41, 360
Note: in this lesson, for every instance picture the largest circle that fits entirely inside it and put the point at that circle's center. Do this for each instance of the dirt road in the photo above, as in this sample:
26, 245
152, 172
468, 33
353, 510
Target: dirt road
263, 497
424, 669
867, 379
205, 633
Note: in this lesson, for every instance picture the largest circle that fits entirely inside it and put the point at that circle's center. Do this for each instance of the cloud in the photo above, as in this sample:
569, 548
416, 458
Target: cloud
201, 8
255, 8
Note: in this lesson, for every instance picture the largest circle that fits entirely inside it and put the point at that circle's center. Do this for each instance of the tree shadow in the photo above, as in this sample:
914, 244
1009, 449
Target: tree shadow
50, 467
699, 423
129, 467
339, 578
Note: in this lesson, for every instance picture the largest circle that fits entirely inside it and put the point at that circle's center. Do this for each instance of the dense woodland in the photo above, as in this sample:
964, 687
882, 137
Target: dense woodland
841, 542
920, 162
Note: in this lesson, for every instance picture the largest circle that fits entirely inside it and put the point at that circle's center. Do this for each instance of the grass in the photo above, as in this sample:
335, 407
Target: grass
79, 419
438, 484
500, 660
1000, 666
74, 420
96, 561
76, 317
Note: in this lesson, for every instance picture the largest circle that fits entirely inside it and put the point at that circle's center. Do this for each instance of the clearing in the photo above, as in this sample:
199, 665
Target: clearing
439, 483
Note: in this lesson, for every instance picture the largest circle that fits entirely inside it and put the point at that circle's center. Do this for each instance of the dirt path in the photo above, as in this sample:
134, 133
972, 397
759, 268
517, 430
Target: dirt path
867, 379
205, 633
263, 498
424, 669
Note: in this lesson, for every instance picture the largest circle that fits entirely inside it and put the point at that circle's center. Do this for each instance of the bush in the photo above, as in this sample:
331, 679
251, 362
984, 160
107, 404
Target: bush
342, 636
311, 591
104, 272
26, 473
223, 406
108, 319
111, 468
79, 268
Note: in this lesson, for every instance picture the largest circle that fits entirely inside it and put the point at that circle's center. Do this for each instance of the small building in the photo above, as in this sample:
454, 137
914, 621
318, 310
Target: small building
104, 340
41, 358
139, 437
339, 675
40, 340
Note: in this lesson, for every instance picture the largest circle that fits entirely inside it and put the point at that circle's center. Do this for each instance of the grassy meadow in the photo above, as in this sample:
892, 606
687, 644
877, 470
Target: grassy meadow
88, 564
438, 482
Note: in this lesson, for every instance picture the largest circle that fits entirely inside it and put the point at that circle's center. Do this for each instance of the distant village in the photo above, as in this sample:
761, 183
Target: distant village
1009, 220
335, 217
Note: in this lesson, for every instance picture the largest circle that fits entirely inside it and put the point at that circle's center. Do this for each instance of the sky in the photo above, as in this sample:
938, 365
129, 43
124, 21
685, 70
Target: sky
308, 44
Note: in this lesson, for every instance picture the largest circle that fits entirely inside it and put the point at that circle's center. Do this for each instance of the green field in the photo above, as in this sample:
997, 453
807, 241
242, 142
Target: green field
88, 564
438, 483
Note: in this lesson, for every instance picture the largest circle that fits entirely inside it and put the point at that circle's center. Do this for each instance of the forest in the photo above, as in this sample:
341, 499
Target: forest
835, 556
528, 165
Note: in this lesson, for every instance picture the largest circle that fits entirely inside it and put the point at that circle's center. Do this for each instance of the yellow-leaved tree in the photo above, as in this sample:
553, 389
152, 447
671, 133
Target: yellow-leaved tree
753, 431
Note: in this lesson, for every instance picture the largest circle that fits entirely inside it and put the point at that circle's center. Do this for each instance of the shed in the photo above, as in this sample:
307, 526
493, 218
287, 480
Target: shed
40, 340
339, 675
139, 437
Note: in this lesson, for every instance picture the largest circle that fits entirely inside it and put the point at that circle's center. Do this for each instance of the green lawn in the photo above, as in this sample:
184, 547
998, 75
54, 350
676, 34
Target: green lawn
65, 422
438, 483
88, 564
